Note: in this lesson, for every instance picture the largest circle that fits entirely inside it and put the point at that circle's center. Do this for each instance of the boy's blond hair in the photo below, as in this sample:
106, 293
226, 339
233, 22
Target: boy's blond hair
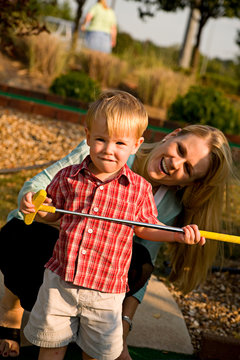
122, 111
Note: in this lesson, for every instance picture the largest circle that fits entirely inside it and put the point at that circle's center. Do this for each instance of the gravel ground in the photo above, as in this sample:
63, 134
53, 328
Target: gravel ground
28, 140
213, 308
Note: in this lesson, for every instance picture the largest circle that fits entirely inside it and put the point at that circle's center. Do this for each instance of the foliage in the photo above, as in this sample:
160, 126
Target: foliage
160, 86
144, 53
47, 55
56, 9
18, 17
106, 69
205, 106
220, 66
207, 9
10, 185
222, 74
237, 69
23, 17
226, 84
42, 54
76, 85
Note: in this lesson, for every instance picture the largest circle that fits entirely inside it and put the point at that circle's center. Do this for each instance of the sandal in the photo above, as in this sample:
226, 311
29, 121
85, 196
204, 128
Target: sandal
10, 334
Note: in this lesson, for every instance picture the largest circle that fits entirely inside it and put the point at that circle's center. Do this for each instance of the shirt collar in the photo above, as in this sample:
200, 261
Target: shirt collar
125, 171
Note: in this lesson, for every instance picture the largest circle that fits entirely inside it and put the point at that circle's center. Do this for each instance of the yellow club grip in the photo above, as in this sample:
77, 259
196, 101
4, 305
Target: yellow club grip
37, 200
220, 237
47, 208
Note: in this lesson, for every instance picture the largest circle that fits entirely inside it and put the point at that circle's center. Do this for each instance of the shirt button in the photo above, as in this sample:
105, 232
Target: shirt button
101, 187
90, 231
84, 252
95, 209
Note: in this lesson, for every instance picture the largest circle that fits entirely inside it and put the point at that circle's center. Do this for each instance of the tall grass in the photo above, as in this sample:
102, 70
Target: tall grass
107, 70
44, 54
160, 86
47, 55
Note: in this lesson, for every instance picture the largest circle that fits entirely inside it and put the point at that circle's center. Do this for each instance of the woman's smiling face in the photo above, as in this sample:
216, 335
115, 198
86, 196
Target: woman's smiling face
179, 161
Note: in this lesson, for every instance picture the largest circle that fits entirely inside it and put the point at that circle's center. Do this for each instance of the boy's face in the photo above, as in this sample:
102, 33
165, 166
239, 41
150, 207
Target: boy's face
109, 153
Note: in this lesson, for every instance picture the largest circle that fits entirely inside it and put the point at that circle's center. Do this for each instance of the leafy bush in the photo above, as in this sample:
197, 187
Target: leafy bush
205, 106
224, 83
77, 85
144, 53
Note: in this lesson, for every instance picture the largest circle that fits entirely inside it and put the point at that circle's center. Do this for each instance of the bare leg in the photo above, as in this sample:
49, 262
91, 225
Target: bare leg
86, 356
52, 353
11, 314
130, 305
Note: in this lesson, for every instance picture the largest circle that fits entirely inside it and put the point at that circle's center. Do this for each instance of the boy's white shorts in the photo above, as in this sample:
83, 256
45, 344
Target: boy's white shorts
64, 313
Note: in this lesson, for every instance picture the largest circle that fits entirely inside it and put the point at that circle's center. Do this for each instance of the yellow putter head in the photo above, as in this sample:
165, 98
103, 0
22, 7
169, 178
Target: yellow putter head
38, 200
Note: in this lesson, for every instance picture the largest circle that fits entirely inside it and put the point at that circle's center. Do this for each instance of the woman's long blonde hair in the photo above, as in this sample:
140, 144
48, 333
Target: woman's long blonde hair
202, 202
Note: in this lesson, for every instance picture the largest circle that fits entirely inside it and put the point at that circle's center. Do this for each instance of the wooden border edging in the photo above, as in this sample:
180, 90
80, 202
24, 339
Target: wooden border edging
155, 132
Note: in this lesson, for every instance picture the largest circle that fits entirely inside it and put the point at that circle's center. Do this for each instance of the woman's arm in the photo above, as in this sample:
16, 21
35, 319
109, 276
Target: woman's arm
114, 35
87, 19
41, 180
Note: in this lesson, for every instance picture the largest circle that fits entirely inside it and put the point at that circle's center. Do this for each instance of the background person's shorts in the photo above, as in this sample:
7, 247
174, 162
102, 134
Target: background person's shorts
64, 313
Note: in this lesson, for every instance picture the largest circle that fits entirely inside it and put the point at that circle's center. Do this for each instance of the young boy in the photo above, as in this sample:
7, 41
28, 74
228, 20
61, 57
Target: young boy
86, 278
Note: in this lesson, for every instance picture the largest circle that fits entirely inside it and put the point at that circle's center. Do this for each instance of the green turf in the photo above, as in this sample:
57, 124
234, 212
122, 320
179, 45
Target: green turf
74, 353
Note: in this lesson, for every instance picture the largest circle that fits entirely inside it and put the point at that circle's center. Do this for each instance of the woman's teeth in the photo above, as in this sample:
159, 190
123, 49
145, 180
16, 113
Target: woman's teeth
164, 167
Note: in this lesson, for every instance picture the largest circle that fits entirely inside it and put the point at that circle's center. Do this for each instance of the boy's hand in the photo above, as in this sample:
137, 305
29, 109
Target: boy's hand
192, 236
27, 206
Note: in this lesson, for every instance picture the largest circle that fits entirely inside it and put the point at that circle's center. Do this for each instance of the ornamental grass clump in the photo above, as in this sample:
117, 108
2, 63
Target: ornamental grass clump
159, 87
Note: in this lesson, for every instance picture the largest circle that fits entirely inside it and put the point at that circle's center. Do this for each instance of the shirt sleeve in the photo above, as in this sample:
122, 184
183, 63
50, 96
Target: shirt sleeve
114, 19
147, 210
93, 10
41, 180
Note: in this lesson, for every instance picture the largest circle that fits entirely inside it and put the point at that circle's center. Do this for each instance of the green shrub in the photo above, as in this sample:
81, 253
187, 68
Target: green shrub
205, 106
224, 83
144, 53
77, 85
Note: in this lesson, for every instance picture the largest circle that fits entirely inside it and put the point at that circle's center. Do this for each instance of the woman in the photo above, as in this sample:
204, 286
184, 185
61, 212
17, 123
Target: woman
188, 170
101, 32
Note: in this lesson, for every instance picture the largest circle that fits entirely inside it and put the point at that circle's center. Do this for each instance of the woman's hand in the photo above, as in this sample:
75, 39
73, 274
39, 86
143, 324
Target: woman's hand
191, 236
124, 354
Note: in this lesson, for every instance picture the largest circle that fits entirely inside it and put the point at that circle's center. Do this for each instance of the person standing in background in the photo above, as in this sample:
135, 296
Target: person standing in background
100, 25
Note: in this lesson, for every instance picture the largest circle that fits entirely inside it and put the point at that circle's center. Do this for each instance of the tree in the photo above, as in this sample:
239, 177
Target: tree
207, 8
25, 17
237, 70
53, 8
77, 19
185, 55
20, 18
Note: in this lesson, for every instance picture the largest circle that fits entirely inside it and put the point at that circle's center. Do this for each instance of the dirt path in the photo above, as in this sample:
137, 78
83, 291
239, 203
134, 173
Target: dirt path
14, 73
